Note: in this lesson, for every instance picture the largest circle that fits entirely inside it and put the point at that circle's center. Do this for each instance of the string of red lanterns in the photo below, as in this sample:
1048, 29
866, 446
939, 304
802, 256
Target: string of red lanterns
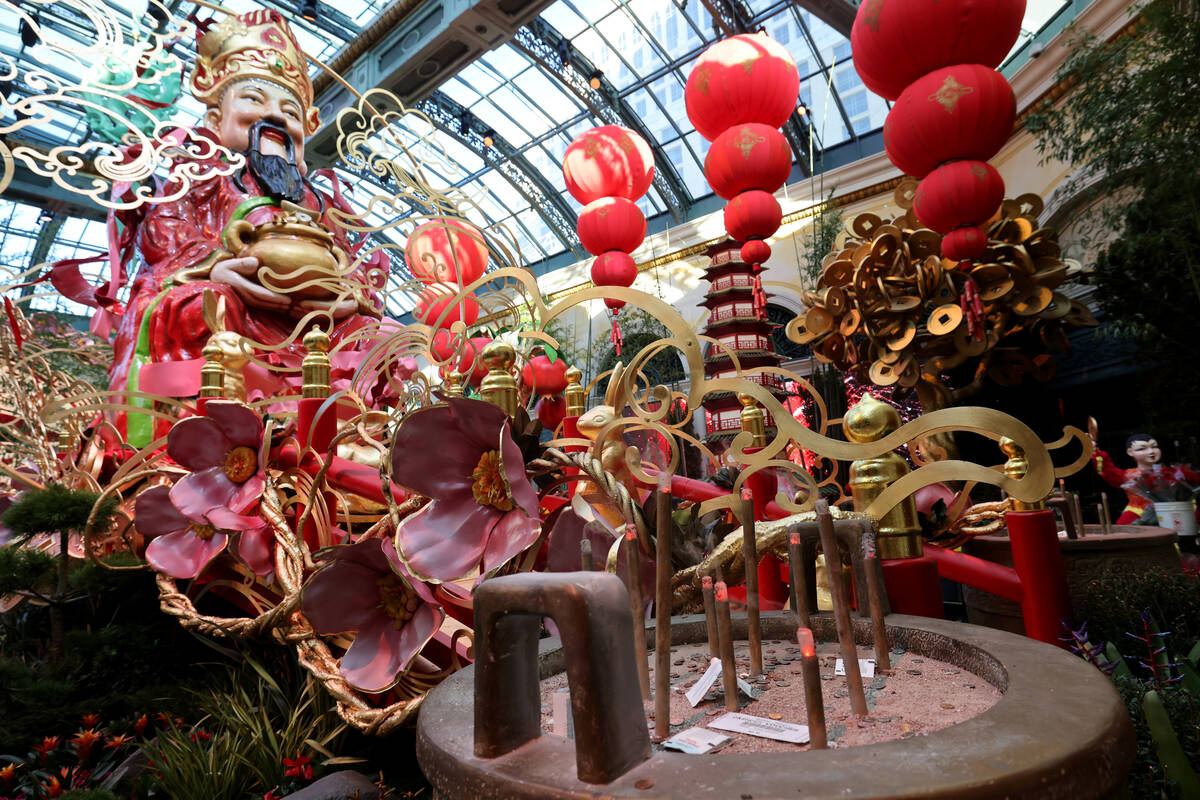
608, 169
739, 93
952, 110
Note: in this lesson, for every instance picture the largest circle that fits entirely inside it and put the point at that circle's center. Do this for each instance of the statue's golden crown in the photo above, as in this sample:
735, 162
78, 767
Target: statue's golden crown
258, 45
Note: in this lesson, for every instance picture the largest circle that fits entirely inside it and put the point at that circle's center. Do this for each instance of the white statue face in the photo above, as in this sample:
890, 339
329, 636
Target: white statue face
248, 101
1145, 453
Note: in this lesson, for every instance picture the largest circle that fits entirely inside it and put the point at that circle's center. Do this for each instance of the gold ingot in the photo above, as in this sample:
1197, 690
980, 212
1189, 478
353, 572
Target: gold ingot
291, 251
944, 319
898, 531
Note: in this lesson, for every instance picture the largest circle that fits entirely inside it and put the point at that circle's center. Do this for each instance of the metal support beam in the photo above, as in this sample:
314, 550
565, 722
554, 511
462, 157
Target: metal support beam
455, 120
546, 46
837, 14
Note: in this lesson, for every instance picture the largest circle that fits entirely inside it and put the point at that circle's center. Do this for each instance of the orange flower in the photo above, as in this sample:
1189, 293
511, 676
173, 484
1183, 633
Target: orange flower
7, 773
116, 742
90, 720
47, 746
84, 741
52, 788
139, 726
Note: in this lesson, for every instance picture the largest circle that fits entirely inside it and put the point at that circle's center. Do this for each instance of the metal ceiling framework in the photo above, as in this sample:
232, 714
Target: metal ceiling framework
413, 34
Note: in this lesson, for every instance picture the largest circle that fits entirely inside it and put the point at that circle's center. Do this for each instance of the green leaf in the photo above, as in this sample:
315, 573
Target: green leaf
550, 352
1171, 755
1190, 679
1114, 656
1194, 655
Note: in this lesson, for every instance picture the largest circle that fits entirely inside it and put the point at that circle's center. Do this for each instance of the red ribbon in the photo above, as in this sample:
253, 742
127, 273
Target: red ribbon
616, 337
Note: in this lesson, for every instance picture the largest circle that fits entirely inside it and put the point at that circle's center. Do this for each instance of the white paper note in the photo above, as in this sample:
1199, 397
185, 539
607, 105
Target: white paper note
696, 741
695, 694
866, 667
564, 722
759, 726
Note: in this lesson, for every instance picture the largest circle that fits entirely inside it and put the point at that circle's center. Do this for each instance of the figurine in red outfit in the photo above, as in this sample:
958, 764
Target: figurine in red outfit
1144, 451
252, 76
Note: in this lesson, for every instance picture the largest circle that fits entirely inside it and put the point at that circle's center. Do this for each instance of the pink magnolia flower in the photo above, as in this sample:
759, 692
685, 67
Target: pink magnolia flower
222, 449
183, 544
365, 588
484, 509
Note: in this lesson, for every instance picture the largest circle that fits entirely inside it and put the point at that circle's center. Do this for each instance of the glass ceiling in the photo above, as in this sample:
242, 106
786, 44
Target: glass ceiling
644, 49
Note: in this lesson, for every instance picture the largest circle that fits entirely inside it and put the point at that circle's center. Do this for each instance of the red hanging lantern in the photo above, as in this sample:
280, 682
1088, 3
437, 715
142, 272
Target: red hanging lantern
753, 215
446, 250
745, 78
958, 194
545, 377
442, 299
961, 112
611, 223
469, 364
964, 244
748, 156
614, 268
897, 41
608, 161
755, 251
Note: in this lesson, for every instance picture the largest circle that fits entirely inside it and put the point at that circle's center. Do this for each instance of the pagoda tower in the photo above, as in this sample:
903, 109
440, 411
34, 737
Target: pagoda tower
740, 328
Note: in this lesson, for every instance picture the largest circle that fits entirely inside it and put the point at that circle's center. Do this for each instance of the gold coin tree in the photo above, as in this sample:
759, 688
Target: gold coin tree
889, 308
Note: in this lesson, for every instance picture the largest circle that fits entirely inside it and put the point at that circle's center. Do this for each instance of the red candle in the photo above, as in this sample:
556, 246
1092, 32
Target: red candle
814, 703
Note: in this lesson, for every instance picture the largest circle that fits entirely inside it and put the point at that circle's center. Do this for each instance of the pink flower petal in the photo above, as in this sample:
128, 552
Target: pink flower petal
423, 590
568, 531
330, 608
444, 541
416, 634
225, 519
431, 456
154, 513
197, 443
478, 421
512, 534
375, 659
240, 424
248, 493
522, 490
203, 491
256, 546
184, 554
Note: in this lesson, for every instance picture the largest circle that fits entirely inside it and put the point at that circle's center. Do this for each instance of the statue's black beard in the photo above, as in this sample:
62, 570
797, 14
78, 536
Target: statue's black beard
277, 177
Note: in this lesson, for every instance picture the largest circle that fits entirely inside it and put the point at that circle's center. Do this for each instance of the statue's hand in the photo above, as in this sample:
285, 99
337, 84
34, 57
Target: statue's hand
338, 308
242, 275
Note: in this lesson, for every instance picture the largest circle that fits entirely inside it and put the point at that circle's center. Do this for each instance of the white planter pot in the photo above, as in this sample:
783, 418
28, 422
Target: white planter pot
1179, 516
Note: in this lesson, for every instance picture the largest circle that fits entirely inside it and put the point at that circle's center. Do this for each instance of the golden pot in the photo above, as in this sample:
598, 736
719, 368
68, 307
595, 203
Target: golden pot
291, 252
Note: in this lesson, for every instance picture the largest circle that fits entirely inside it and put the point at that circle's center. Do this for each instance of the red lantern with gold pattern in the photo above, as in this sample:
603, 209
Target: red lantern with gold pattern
614, 268
608, 161
958, 194
446, 250
748, 156
442, 298
469, 364
611, 223
961, 112
963, 244
745, 78
897, 41
753, 215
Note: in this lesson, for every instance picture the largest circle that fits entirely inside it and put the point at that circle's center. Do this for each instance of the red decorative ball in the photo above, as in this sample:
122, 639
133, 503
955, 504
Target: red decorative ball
961, 112
958, 194
442, 298
551, 411
748, 156
745, 78
545, 376
753, 215
611, 223
446, 250
897, 41
470, 365
756, 251
609, 161
962, 244
614, 268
